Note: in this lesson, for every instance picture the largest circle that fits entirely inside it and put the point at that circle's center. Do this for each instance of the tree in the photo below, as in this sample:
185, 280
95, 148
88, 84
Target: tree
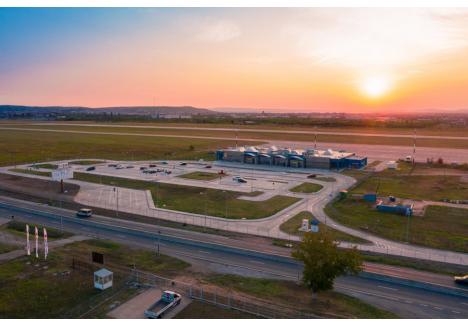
323, 261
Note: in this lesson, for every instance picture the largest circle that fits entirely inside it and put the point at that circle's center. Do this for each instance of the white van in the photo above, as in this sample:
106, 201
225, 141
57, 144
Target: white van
84, 213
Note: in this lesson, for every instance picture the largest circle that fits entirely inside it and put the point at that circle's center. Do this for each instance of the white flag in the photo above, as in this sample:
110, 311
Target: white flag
28, 247
46, 246
37, 240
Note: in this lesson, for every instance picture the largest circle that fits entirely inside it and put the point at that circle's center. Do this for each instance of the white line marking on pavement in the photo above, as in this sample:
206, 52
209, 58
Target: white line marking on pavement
438, 308
454, 311
424, 305
204, 252
465, 303
386, 287
258, 262
408, 301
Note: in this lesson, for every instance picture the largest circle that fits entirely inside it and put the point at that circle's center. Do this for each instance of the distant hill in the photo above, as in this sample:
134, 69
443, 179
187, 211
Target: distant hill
133, 110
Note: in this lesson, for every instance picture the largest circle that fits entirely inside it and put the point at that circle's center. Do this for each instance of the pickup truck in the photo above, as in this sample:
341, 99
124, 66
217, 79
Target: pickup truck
168, 301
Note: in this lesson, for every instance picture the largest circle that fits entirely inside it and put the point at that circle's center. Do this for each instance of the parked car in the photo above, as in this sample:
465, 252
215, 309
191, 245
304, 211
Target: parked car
311, 176
463, 280
183, 163
119, 166
143, 168
113, 165
152, 165
208, 167
163, 162
239, 179
91, 168
84, 212
130, 166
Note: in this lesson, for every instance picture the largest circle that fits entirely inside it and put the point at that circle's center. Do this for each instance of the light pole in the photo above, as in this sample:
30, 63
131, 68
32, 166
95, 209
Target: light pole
116, 191
159, 241
206, 199
225, 203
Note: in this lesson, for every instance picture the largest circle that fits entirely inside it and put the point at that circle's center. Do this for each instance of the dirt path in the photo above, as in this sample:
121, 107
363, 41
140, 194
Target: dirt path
53, 244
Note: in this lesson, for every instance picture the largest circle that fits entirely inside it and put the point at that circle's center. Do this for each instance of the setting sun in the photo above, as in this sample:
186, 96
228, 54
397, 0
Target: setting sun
375, 86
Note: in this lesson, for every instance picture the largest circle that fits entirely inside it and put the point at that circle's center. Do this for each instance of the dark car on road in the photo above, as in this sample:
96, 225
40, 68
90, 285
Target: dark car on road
462, 280
91, 168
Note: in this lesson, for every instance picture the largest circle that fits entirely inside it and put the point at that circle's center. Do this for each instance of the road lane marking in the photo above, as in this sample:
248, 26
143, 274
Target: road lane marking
255, 261
386, 287
454, 311
204, 252
424, 305
438, 308
465, 303
408, 301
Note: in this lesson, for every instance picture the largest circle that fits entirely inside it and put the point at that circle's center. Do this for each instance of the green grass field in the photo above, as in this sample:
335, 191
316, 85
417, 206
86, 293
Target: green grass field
5, 247
35, 288
197, 175
45, 166
402, 183
292, 226
87, 162
246, 133
35, 146
327, 303
33, 172
203, 310
440, 227
199, 200
307, 188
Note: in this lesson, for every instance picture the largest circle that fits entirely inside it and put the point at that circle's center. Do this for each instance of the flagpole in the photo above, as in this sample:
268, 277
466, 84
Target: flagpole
37, 240
28, 247
46, 245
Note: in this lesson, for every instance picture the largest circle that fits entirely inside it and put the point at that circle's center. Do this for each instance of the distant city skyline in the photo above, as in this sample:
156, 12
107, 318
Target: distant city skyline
277, 60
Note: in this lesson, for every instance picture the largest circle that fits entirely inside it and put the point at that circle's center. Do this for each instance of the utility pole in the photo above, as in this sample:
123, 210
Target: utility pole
116, 191
414, 145
315, 137
236, 137
225, 203
159, 242
407, 228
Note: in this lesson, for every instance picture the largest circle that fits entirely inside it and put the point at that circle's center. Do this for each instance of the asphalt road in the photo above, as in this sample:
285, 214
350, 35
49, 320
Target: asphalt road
404, 301
279, 131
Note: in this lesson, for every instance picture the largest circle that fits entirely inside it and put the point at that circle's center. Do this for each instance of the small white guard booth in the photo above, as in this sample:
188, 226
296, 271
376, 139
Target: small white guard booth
103, 279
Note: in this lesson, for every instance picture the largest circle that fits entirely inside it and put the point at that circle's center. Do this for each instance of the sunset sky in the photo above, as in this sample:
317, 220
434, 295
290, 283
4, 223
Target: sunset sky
303, 59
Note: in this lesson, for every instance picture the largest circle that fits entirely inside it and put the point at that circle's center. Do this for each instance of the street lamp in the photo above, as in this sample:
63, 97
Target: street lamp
116, 191
206, 199
159, 241
225, 203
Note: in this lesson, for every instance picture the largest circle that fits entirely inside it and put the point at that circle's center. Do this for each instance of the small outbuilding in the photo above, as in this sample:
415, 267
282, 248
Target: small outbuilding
103, 279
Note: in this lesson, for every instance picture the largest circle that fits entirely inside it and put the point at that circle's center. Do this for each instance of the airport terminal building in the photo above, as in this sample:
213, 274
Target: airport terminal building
296, 158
